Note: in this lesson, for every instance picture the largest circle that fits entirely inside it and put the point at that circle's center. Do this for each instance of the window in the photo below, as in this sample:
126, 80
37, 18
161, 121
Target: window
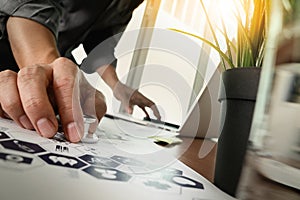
168, 75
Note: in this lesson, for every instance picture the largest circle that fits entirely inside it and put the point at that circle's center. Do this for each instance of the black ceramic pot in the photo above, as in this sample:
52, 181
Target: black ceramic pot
237, 96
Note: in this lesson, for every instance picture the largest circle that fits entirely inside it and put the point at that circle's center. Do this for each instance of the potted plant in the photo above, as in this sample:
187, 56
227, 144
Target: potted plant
241, 62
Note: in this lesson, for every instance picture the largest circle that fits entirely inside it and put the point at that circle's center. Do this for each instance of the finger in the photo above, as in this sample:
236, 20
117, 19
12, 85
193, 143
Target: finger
142, 101
145, 111
148, 103
155, 111
129, 109
1, 112
66, 79
100, 108
10, 101
135, 99
92, 100
126, 105
100, 105
32, 83
93, 103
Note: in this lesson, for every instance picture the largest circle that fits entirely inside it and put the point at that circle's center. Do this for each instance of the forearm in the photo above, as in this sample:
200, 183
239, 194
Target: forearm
108, 74
31, 42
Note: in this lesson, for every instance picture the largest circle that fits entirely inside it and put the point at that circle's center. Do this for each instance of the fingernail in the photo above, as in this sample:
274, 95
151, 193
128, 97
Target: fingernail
129, 110
46, 128
74, 133
26, 122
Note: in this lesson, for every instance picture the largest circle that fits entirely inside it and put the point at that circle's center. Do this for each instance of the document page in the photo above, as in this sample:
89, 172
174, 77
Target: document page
118, 166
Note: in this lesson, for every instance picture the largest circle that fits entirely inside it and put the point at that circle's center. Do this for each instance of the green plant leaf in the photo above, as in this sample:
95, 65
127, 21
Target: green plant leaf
212, 30
252, 18
227, 41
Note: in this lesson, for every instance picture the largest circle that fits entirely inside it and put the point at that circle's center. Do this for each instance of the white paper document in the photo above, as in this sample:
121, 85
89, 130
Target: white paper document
119, 166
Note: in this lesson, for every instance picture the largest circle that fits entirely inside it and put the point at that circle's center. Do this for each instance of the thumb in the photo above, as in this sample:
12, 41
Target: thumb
129, 109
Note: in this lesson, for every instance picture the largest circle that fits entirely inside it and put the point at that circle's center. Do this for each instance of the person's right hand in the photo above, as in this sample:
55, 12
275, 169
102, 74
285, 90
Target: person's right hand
31, 96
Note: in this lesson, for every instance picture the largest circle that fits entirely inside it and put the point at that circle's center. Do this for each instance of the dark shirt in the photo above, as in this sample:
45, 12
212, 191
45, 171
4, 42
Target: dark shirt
89, 22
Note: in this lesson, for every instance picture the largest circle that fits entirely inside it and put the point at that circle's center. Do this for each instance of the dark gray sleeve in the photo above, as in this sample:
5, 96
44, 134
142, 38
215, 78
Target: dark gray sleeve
45, 12
101, 55
109, 30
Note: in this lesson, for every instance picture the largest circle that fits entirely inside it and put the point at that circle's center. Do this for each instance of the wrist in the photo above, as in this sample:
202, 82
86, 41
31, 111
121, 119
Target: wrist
117, 89
108, 74
31, 42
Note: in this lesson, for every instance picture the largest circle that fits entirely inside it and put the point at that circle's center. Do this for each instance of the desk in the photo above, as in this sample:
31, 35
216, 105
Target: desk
261, 187
187, 152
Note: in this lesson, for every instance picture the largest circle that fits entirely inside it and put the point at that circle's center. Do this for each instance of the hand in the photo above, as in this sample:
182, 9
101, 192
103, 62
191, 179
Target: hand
130, 97
125, 94
31, 97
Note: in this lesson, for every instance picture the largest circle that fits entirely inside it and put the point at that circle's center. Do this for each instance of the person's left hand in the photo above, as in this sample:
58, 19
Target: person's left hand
130, 97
